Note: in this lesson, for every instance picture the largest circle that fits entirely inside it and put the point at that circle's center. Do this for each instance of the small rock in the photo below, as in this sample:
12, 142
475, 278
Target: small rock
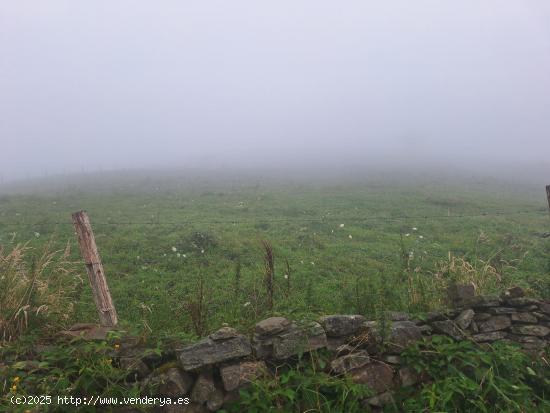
224, 333
174, 383
465, 318
299, 339
514, 292
502, 310
521, 301
207, 352
398, 316
349, 362
402, 334
434, 316
241, 374
545, 308
482, 316
481, 301
498, 322
271, 326
341, 325
448, 328
426, 329
378, 376
539, 331
206, 392
524, 318
487, 337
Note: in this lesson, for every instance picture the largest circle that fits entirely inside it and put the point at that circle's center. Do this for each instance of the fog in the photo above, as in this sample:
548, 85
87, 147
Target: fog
281, 85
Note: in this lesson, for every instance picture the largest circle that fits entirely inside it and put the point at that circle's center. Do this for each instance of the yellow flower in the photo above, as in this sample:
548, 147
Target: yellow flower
117, 346
14, 387
16, 379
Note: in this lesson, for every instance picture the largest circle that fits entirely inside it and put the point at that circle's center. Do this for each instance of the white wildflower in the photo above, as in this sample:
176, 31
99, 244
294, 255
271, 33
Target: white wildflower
414, 229
184, 255
202, 251
246, 304
312, 263
178, 254
421, 236
407, 234
286, 276
342, 225
37, 234
349, 236
174, 249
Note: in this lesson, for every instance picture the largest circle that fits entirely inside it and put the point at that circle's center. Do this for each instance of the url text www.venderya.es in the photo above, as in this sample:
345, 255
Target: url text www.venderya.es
97, 401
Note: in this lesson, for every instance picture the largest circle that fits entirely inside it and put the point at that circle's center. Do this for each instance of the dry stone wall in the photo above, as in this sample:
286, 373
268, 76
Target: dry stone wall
211, 371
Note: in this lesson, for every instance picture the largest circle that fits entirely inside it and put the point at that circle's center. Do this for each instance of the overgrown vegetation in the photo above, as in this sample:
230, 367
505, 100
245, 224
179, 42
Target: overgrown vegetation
75, 368
461, 377
466, 377
303, 388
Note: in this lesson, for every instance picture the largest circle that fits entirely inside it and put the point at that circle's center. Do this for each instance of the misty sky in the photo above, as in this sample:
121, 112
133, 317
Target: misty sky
111, 84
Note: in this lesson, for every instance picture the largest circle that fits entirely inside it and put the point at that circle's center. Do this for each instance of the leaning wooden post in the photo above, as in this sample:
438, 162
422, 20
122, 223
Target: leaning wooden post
96, 275
548, 196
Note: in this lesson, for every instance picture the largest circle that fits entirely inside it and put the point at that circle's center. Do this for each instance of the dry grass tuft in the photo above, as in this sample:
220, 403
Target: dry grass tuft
38, 289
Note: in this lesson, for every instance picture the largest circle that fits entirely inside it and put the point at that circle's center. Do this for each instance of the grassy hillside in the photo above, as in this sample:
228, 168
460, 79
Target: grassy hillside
186, 255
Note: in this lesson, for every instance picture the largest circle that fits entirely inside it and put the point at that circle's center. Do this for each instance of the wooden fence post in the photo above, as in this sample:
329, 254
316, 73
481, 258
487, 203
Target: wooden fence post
548, 196
100, 290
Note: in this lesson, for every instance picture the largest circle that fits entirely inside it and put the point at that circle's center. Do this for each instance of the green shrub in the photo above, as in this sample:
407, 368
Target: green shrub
303, 388
471, 378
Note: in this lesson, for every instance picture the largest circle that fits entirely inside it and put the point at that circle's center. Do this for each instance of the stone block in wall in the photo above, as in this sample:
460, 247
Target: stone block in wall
349, 362
521, 301
527, 318
172, 383
482, 302
502, 310
376, 375
495, 323
299, 339
341, 325
545, 308
206, 393
464, 319
489, 337
237, 375
448, 328
207, 352
531, 330
271, 326
335, 343
401, 335
481, 317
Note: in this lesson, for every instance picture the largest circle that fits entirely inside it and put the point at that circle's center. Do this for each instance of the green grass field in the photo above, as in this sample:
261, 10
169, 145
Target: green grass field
351, 247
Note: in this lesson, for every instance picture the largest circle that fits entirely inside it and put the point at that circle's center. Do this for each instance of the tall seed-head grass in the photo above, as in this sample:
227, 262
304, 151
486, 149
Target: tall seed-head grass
38, 287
